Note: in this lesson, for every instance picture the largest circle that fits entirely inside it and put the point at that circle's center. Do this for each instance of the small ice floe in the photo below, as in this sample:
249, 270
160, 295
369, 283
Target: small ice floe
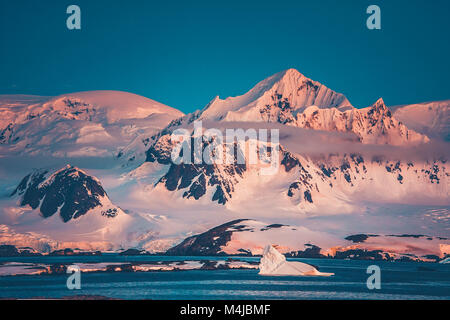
273, 263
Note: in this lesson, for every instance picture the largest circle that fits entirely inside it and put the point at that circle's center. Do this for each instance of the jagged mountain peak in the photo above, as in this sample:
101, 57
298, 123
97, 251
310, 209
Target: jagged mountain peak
290, 98
73, 173
379, 104
284, 92
372, 125
378, 111
290, 71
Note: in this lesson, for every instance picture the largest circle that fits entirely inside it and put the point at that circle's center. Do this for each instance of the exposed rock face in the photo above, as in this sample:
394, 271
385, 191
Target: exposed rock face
291, 98
248, 237
68, 191
196, 179
133, 252
208, 243
8, 251
11, 251
358, 238
76, 252
310, 251
312, 177
372, 125
275, 99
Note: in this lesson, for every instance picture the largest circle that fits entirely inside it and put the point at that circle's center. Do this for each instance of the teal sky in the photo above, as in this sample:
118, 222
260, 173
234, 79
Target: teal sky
183, 53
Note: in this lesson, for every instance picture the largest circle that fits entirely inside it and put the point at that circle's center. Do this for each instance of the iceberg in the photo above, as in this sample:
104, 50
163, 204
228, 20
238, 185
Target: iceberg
273, 263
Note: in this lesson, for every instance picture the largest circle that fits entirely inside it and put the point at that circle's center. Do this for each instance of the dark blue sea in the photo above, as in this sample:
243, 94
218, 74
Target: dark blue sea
399, 280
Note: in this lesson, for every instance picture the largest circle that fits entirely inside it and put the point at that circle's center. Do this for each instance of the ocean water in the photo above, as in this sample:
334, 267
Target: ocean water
399, 280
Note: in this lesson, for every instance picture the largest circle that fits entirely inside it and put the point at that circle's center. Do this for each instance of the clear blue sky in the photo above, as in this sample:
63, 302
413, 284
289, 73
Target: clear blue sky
183, 53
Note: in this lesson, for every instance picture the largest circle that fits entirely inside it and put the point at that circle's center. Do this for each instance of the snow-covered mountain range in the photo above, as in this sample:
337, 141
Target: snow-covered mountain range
84, 124
376, 172
291, 98
288, 90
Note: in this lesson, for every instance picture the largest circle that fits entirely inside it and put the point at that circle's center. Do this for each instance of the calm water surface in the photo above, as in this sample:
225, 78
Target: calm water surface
399, 280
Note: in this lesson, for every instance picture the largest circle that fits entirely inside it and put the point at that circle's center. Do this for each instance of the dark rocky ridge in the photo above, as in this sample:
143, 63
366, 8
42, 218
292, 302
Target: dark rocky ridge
210, 243
207, 243
359, 238
196, 178
11, 251
69, 190
74, 252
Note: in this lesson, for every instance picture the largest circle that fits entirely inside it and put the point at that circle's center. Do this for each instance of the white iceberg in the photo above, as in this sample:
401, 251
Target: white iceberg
273, 263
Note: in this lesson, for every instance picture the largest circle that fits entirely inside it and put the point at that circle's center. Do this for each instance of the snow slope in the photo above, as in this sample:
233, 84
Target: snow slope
118, 105
372, 125
93, 123
290, 84
429, 118
288, 97
315, 172
66, 207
